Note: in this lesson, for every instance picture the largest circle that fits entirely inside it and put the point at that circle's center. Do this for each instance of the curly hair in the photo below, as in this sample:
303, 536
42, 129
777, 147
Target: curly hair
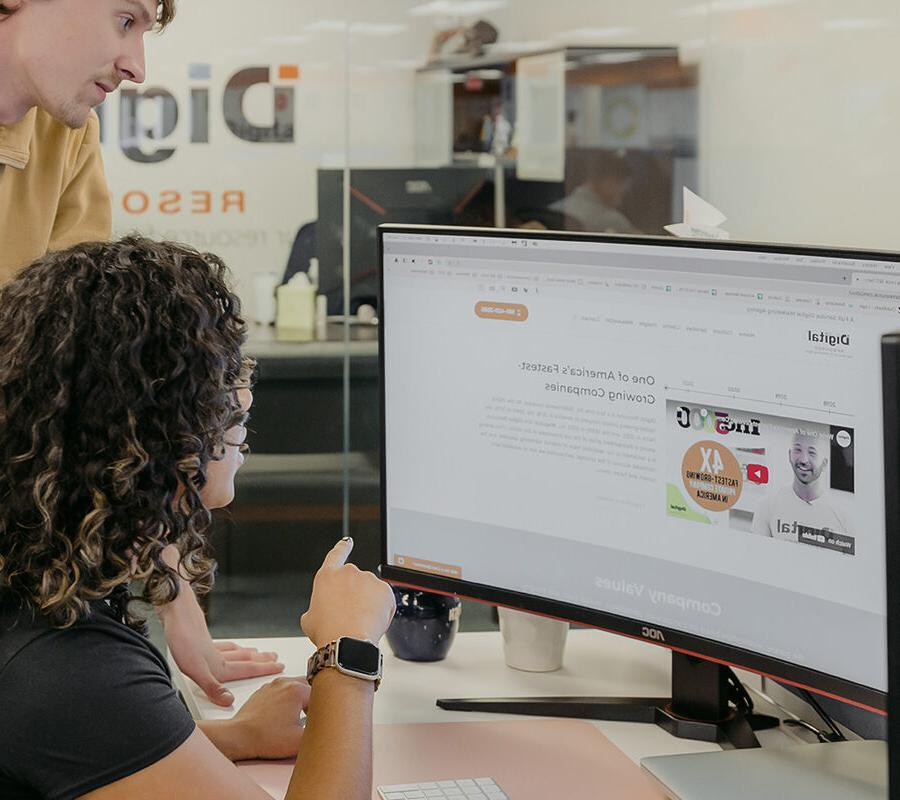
165, 11
119, 369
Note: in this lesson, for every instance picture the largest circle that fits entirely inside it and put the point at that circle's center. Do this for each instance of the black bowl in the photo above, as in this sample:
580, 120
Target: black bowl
425, 625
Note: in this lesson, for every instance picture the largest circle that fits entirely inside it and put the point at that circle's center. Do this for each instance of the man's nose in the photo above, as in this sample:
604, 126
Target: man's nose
130, 66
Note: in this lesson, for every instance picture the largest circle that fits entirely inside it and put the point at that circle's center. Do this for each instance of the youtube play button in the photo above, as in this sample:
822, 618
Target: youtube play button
757, 473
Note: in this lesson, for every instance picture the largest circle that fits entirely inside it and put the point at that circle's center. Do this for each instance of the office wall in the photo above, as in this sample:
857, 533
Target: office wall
798, 108
798, 104
242, 190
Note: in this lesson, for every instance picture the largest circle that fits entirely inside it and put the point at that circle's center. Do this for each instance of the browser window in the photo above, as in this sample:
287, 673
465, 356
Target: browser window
690, 437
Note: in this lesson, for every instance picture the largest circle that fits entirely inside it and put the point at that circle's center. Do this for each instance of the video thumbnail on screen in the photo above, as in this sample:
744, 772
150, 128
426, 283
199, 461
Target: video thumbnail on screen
780, 477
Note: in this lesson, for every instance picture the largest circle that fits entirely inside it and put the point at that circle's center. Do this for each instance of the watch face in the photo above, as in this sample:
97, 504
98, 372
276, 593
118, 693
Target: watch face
358, 656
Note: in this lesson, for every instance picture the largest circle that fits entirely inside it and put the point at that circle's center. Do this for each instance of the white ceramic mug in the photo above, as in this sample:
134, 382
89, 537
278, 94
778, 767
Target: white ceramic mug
532, 643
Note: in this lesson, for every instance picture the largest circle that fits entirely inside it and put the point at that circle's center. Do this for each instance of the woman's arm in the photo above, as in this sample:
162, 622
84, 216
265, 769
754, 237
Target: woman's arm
194, 771
205, 662
335, 758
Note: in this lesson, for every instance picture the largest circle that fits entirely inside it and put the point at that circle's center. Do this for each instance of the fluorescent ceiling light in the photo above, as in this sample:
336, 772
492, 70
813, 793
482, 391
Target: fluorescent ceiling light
327, 26
593, 33
377, 28
402, 63
521, 47
296, 38
612, 58
486, 74
861, 24
357, 28
721, 6
459, 8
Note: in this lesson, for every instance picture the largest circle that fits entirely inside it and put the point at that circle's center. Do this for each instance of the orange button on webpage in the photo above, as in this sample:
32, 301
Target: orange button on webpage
514, 312
433, 567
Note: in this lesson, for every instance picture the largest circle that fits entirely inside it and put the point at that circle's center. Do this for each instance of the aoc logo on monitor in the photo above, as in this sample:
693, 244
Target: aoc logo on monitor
140, 137
653, 633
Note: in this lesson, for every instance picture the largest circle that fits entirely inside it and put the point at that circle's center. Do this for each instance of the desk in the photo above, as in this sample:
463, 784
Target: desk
596, 663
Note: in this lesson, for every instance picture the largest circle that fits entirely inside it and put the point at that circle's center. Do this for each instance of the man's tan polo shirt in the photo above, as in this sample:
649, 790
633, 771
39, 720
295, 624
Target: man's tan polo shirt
53, 191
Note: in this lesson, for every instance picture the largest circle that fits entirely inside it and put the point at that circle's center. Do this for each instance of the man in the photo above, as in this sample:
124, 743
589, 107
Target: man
59, 59
596, 204
803, 505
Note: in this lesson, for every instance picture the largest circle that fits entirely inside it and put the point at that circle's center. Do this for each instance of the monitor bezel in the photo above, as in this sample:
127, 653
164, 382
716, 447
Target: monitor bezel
837, 687
890, 359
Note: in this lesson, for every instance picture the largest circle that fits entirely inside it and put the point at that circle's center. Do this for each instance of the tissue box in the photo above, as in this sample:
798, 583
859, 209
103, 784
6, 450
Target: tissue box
296, 307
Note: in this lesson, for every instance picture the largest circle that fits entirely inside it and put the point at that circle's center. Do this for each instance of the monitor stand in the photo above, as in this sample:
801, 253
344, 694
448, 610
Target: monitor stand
708, 703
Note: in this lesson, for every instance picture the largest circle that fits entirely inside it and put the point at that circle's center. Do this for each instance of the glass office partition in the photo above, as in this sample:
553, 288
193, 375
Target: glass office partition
221, 148
283, 139
597, 116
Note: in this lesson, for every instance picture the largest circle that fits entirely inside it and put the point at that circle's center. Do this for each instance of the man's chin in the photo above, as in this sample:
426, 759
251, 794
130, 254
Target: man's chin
72, 116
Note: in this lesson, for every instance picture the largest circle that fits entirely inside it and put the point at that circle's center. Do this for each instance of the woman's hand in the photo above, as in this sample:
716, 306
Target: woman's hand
268, 725
205, 662
346, 601
270, 721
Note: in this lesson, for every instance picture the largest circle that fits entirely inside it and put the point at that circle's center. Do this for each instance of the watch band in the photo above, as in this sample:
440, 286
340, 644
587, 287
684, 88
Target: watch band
326, 656
323, 657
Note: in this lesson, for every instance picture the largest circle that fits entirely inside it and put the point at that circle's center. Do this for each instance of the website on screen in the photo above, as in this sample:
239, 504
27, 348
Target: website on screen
687, 437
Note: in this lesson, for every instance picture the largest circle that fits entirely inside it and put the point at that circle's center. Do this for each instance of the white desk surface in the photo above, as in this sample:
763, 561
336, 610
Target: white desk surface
596, 663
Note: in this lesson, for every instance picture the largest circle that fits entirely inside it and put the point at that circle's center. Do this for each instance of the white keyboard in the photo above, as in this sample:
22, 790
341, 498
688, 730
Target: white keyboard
466, 789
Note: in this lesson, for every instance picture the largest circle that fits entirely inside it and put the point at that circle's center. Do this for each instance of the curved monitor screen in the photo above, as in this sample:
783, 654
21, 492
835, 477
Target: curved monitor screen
684, 434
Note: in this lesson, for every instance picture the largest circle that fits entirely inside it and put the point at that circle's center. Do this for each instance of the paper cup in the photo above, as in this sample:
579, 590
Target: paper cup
532, 643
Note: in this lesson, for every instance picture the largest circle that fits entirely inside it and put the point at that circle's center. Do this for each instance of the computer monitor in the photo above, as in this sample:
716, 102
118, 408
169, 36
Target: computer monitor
674, 440
453, 195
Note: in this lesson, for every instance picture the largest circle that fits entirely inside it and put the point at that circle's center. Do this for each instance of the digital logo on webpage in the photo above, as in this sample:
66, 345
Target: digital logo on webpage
830, 339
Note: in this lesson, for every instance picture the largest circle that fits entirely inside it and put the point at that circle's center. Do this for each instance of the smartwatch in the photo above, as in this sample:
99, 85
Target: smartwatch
358, 658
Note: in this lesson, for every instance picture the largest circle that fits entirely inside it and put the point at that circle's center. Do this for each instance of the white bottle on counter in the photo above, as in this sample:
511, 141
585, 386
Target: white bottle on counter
264, 284
297, 305
321, 316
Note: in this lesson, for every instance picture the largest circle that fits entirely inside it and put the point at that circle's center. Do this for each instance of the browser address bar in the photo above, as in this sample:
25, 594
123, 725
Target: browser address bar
872, 281
869, 285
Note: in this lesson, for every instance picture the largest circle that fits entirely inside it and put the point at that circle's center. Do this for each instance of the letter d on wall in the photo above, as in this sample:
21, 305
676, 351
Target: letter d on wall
281, 130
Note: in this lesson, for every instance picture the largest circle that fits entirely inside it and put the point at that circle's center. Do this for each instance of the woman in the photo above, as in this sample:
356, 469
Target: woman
123, 399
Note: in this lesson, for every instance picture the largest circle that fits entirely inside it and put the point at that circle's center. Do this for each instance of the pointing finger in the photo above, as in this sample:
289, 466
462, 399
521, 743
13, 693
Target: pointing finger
338, 554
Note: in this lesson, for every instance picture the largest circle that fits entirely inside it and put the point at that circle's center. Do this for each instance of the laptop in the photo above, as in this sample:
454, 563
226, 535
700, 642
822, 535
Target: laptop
834, 771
